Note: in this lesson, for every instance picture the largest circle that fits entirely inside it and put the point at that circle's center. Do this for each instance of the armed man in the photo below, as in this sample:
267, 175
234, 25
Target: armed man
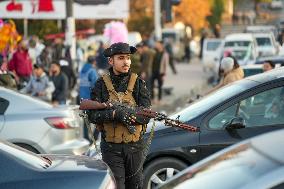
122, 140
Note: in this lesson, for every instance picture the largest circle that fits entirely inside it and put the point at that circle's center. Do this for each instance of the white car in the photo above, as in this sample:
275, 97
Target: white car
276, 4
266, 44
38, 126
242, 46
210, 60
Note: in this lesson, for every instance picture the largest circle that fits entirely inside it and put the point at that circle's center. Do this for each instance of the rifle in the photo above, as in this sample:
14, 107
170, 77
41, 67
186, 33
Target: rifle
168, 121
137, 112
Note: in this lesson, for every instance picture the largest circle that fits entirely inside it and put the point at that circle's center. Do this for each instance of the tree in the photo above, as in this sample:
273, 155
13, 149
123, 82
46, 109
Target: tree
192, 12
216, 13
141, 16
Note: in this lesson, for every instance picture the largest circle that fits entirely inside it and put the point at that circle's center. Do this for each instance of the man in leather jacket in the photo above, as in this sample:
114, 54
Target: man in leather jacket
122, 149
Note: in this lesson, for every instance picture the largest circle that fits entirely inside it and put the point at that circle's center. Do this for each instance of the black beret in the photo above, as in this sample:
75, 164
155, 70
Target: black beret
119, 48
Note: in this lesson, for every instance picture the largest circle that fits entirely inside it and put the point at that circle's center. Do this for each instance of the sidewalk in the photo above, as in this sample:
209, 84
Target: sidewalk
189, 82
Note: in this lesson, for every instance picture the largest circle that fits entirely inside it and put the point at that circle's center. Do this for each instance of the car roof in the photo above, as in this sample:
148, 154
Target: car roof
239, 37
274, 59
268, 35
25, 101
270, 144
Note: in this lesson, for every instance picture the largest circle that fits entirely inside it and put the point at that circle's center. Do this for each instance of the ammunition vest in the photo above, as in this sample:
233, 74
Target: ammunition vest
117, 132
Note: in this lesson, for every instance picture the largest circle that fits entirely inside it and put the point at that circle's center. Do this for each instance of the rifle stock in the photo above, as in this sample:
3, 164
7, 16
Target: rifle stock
87, 104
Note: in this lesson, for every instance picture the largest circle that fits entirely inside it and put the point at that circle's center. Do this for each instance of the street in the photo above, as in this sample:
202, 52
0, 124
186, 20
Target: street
188, 82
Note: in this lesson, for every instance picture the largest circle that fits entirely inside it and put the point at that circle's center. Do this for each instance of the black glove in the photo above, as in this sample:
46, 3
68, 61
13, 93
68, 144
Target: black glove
126, 118
123, 116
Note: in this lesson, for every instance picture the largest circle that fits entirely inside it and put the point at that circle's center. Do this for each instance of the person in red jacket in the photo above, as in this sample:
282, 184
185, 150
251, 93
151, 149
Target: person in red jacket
21, 64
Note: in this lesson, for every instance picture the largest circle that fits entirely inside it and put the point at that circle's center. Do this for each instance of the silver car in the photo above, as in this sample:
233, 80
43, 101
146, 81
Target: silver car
38, 126
23, 169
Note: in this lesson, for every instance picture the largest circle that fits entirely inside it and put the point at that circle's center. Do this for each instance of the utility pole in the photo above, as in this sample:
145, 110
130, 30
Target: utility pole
157, 14
70, 28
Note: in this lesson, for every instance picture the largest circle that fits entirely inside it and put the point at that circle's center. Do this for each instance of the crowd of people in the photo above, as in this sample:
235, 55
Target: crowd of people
49, 73
43, 71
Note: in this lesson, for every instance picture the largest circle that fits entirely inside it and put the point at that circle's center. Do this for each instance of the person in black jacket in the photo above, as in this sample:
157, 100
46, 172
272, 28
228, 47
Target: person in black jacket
122, 141
60, 82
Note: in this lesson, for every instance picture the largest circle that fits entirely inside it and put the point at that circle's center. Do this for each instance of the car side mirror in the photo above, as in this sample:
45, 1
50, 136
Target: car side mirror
235, 123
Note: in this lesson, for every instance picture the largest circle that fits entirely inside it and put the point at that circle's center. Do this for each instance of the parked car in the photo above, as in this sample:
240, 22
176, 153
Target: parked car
242, 46
276, 4
23, 169
247, 102
256, 163
262, 29
211, 50
38, 126
266, 44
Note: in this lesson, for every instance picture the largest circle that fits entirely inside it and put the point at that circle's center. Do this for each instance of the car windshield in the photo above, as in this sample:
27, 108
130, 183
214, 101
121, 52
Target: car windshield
213, 45
209, 101
240, 166
240, 54
237, 43
25, 156
263, 41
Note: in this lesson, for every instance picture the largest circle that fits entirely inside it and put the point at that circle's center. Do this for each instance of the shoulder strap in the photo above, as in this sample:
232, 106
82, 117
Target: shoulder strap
131, 82
108, 83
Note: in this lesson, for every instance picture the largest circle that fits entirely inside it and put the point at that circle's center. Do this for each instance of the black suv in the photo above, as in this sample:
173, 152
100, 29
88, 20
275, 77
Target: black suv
235, 112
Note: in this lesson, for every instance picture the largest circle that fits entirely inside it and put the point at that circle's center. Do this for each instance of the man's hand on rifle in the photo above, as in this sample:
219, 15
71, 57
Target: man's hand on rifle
124, 116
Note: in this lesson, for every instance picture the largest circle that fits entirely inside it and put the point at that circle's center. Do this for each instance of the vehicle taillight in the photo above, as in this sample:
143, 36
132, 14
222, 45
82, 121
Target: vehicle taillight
60, 122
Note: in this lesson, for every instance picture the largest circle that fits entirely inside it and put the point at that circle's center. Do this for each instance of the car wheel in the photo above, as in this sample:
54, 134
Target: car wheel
27, 147
160, 170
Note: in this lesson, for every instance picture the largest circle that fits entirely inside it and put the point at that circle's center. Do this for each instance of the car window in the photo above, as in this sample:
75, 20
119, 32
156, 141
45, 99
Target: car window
223, 117
265, 108
209, 101
213, 45
238, 166
263, 41
237, 43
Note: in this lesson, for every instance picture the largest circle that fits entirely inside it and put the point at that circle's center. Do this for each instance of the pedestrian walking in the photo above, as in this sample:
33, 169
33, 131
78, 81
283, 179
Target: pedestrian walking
121, 148
169, 48
159, 67
147, 56
21, 64
88, 77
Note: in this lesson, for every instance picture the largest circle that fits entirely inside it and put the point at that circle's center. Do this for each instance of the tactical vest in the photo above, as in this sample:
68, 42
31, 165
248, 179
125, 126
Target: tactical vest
119, 133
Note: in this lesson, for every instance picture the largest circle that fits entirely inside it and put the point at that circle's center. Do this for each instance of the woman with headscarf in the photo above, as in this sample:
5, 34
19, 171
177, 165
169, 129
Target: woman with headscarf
231, 72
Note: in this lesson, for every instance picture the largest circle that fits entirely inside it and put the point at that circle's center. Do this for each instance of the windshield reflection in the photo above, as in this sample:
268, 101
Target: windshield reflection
209, 101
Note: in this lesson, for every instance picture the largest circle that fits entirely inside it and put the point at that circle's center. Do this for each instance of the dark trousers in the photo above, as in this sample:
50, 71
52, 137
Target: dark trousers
158, 77
125, 161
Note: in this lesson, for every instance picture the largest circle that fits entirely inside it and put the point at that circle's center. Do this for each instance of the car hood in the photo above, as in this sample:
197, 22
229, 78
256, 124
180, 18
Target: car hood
159, 127
67, 162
